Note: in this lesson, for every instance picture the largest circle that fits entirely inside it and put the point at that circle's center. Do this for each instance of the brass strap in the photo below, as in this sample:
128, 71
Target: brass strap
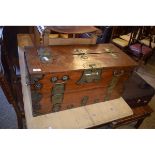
116, 76
36, 106
112, 85
84, 100
57, 96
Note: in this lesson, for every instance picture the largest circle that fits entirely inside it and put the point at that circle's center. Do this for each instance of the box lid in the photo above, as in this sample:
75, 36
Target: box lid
80, 57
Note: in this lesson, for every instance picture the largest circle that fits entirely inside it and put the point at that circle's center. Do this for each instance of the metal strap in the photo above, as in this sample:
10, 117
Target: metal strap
112, 85
57, 96
84, 100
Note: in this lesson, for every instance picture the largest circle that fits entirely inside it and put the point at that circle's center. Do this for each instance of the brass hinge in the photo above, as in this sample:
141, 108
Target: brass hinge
84, 100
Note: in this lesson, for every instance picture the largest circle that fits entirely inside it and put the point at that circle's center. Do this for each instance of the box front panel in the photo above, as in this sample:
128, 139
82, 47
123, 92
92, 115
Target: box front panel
61, 91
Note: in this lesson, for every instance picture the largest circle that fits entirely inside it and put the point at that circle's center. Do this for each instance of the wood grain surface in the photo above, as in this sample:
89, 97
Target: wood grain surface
67, 58
82, 117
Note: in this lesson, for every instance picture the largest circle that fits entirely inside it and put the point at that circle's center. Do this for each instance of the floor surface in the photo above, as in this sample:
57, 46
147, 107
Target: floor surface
8, 118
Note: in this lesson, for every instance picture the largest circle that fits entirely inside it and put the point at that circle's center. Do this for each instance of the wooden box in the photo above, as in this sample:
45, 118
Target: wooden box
64, 77
63, 35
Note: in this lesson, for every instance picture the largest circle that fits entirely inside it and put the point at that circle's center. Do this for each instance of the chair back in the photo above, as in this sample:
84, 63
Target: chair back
140, 32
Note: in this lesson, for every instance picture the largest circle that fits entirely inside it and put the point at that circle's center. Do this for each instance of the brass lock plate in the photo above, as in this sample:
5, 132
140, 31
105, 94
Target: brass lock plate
90, 75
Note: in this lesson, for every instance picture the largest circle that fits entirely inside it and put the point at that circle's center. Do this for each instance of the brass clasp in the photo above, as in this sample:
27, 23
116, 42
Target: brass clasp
90, 75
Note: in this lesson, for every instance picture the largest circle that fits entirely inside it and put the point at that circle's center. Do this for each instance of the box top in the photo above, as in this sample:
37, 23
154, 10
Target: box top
79, 57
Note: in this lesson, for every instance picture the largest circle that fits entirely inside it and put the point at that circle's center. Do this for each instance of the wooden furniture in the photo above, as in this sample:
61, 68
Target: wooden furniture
120, 42
91, 74
148, 37
80, 120
121, 36
137, 44
136, 48
82, 117
64, 35
5, 83
11, 61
